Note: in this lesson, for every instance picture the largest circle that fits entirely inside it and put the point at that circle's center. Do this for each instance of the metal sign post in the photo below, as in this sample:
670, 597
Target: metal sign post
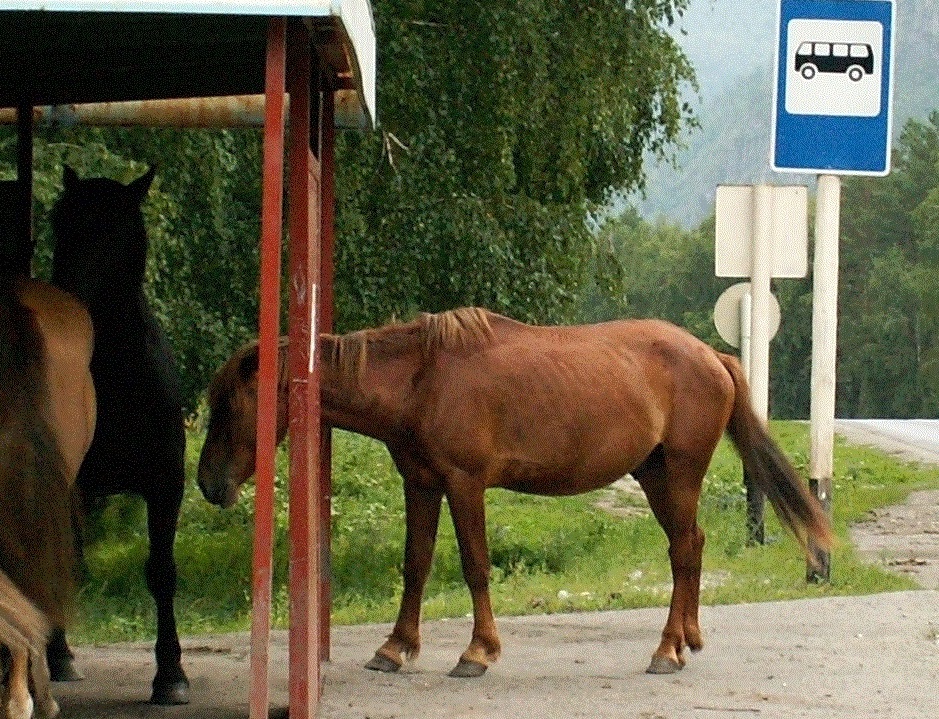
832, 114
760, 233
824, 334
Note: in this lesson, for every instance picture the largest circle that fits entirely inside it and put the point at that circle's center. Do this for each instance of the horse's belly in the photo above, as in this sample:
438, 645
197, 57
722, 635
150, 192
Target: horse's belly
562, 480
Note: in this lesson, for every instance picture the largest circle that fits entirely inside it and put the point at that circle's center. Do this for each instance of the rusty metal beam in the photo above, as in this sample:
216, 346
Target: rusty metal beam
196, 112
304, 395
269, 330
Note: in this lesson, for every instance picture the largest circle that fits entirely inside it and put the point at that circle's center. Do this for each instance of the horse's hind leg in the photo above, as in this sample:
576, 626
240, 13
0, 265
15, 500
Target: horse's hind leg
422, 499
46, 706
61, 659
59, 656
672, 485
18, 702
170, 685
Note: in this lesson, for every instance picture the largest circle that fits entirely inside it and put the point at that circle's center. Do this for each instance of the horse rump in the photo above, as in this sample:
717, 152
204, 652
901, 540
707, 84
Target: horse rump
37, 549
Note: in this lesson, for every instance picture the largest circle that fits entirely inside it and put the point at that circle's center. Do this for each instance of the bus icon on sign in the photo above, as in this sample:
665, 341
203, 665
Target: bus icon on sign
833, 67
852, 59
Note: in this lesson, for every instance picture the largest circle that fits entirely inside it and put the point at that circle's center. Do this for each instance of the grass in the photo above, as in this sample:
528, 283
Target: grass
548, 554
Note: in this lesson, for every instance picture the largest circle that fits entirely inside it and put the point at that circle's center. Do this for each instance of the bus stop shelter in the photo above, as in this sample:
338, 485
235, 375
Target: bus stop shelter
298, 68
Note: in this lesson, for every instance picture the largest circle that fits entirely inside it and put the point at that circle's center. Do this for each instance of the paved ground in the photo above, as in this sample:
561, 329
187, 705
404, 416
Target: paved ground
841, 658
913, 439
904, 538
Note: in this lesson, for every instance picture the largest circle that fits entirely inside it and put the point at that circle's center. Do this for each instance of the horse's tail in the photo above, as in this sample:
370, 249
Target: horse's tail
37, 547
21, 623
769, 468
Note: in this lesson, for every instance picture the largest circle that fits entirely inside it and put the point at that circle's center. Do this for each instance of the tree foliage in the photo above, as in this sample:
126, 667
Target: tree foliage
888, 330
502, 127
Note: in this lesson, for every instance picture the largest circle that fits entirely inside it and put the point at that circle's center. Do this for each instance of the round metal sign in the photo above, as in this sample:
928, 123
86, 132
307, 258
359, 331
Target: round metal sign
727, 313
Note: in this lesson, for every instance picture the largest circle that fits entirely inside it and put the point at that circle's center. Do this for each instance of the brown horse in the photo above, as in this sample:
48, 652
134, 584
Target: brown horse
467, 400
47, 419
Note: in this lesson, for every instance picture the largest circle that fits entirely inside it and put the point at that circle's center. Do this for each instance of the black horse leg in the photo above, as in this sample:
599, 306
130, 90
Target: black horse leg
59, 655
170, 685
61, 659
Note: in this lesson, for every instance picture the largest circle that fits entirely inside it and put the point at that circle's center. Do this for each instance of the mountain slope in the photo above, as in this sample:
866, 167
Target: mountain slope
732, 144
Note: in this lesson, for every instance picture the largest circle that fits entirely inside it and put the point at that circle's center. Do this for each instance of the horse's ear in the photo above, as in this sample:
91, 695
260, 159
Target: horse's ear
69, 177
141, 185
248, 367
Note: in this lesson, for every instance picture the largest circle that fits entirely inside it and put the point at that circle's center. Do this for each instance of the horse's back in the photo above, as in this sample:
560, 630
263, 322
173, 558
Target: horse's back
588, 401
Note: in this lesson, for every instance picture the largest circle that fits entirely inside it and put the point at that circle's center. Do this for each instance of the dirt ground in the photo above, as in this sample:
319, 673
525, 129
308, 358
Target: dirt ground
839, 658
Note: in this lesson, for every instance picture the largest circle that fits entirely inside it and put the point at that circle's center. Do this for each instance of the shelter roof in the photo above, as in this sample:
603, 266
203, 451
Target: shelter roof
56, 52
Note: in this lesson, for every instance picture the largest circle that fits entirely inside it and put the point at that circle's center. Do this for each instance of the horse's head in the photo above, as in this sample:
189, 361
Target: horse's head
16, 246
228, 455
100, 237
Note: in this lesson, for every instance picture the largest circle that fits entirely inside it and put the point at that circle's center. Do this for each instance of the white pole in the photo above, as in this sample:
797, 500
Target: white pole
824, 344
746, 310
762, 255
758, 356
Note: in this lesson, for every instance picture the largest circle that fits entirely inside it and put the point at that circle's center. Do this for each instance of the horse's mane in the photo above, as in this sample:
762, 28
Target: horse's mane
461, 330
465, 329
243, 364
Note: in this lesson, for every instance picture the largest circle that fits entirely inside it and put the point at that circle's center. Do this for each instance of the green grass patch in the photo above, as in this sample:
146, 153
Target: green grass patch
548, 554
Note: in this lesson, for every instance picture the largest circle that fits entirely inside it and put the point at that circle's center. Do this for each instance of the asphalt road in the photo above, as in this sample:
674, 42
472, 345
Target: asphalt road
913, 439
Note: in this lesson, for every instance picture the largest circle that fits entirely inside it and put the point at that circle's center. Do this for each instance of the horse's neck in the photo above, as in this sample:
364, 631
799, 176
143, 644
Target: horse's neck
373, 401
127, 306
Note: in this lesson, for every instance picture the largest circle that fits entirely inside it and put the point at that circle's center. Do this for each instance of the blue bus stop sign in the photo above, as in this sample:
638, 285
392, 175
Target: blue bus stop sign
834, 87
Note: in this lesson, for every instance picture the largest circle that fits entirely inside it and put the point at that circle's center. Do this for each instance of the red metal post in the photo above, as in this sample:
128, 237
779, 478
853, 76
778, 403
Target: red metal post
304, 397
269, 329
327, 194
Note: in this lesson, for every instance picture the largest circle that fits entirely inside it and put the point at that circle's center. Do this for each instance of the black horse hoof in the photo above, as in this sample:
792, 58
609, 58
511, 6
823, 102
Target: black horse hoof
381, 663
466, 669
170, 693
63, 669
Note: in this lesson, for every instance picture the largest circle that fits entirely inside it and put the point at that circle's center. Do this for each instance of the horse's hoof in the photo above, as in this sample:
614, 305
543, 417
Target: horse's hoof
381, 663
661, 665
468, 669
170, 693
48, 709
63, 669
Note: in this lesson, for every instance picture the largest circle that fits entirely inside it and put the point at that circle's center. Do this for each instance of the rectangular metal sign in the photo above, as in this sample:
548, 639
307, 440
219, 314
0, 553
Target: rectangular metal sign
733, 231
832, 98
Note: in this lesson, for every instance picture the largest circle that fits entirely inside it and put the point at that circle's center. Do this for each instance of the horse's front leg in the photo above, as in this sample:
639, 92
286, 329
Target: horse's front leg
468, 510
422, 514
170, 685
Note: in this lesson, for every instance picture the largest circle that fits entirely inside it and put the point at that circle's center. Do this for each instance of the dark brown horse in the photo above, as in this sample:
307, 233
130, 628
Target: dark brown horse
467, 400
47, 419
100, 256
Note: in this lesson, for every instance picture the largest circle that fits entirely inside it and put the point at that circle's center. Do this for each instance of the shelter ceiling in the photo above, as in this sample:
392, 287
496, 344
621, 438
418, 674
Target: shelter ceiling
51, 58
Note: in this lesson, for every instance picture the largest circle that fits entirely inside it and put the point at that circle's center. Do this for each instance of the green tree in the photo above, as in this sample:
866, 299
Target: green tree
503, 126
888, 332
